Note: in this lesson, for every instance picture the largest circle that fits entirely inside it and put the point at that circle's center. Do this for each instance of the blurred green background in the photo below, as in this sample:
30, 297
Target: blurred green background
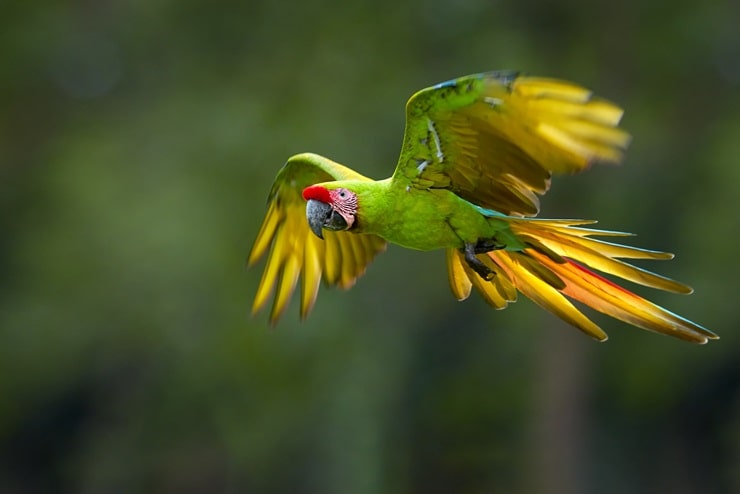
138, 141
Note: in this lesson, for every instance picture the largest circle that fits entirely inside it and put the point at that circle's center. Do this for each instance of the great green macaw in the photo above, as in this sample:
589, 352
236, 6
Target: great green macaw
477, 151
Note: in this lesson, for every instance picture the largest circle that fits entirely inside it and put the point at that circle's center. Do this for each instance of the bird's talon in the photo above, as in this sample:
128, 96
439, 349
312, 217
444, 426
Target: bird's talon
476, 264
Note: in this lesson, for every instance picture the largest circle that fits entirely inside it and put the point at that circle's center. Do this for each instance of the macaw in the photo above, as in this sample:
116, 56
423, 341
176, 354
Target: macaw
477, 152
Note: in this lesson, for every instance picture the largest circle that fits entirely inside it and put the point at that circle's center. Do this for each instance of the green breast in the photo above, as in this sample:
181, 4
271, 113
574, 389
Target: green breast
422, 219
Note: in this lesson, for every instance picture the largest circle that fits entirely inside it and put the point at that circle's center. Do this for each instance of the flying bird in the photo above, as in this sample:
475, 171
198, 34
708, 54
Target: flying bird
477, 152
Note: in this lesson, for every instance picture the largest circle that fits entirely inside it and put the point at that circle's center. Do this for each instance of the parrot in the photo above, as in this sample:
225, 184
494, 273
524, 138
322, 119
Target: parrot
477, 153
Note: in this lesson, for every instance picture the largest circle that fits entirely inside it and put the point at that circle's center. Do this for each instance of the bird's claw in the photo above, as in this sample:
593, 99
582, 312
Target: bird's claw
470, 250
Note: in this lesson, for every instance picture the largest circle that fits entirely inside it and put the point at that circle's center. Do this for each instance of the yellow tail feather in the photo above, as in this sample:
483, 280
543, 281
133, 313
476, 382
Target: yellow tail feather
558, 265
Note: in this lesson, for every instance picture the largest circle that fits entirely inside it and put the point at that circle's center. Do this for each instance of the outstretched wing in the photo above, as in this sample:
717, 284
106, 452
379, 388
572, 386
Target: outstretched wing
496, 138
294, 250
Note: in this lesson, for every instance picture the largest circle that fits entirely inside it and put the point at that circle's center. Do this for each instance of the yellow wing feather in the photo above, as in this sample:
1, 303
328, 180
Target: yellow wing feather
496, 138
294, 251
312, 255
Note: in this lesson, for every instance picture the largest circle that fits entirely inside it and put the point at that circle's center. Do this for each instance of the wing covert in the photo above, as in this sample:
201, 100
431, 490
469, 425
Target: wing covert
495, 138
294, 251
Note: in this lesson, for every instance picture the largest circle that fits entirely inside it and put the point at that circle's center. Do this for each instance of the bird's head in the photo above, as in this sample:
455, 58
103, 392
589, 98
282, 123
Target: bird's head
330, 208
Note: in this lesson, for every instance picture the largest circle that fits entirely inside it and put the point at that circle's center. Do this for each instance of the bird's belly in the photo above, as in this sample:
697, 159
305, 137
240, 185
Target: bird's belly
433, 237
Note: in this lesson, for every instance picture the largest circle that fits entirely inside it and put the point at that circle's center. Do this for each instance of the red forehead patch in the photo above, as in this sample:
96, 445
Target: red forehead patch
317, 193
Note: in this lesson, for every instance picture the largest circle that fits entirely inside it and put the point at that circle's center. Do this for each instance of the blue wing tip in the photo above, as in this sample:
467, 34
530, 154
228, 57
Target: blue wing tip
450, 83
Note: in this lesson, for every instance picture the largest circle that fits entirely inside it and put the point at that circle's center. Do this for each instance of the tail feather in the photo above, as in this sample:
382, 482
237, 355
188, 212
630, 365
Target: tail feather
602, 256
557, 265
499, 291
543, 294
609, 298
460, 282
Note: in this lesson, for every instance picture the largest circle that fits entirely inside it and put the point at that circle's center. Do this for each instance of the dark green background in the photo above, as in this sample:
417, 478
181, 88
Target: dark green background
138, 141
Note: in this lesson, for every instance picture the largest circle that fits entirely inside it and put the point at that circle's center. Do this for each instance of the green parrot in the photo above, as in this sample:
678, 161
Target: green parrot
477, 152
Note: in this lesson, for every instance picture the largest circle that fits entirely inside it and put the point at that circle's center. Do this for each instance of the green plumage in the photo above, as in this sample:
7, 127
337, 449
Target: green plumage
477, 152
421, 219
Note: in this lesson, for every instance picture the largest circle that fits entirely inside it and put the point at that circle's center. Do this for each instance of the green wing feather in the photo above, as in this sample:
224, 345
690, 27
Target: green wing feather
496, 138
294, 250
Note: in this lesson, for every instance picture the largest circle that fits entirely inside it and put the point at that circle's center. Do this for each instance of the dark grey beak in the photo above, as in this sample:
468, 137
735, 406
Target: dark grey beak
317, 213
321, 215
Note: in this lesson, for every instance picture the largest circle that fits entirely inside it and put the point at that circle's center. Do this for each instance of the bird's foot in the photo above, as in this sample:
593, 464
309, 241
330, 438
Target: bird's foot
471, 249
484, 245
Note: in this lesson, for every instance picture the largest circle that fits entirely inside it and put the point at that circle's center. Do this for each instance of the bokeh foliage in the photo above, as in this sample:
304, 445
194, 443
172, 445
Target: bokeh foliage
138, 141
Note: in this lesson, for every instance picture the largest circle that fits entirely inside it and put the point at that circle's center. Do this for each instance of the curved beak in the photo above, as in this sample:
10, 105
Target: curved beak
321, 215
317, 213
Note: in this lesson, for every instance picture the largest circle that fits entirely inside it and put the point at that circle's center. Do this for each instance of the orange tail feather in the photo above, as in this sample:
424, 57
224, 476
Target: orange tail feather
558, 265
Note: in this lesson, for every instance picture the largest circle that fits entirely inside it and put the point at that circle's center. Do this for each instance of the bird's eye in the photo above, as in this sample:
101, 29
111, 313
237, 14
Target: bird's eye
342, 194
